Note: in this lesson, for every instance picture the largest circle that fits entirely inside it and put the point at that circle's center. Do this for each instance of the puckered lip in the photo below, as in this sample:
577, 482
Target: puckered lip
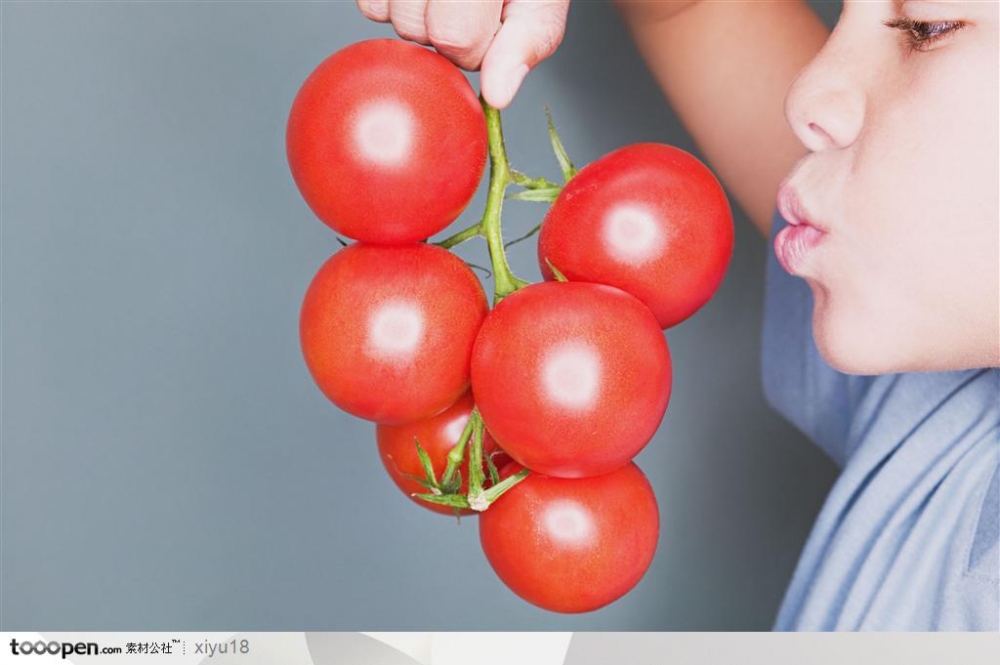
791, 209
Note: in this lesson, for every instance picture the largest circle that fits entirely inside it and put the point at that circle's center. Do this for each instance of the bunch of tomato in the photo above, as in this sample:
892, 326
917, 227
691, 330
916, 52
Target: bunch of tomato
528, 414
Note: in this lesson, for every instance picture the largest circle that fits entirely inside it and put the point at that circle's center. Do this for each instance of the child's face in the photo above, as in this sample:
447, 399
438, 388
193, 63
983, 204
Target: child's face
903, 177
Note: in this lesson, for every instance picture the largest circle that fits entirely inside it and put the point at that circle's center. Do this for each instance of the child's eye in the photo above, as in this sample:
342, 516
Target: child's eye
921, 34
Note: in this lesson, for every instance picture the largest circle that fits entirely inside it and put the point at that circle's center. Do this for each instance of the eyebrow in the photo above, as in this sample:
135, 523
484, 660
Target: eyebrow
941, 2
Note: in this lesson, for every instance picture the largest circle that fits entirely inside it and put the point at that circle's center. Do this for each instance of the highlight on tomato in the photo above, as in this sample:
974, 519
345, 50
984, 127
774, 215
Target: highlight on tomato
386, 141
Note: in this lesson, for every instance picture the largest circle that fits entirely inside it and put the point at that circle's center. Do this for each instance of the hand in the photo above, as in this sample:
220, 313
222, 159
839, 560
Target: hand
503, 38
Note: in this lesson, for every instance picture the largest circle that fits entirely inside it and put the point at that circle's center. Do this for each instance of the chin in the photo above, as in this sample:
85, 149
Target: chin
852, 347
855, 346
868, 337
844, 357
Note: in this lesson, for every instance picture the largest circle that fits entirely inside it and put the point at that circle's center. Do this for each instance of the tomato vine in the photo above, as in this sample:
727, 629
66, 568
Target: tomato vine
490, 228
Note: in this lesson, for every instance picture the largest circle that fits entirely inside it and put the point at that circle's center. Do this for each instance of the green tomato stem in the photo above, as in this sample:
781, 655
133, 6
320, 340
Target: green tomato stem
474, 231
457, 452
505, 282
476, 475
528, 182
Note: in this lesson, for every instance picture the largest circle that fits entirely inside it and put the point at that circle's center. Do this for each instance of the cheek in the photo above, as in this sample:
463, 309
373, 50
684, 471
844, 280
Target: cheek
917, 266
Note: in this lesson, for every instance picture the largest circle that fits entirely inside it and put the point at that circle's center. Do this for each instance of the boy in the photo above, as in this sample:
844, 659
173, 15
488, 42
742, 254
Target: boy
882, 311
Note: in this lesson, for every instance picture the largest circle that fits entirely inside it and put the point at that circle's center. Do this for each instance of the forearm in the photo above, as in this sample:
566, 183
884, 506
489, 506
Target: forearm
725, 67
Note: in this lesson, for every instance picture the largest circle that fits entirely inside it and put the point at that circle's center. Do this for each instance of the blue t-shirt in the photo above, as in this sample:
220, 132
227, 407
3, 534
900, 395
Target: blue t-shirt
907, 538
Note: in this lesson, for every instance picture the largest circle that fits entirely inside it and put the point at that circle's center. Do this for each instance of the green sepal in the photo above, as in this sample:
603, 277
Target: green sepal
565, 164
425, 462
528, 182
546, 195
498, 490
452, 500
556, 272
494, 474
423, 481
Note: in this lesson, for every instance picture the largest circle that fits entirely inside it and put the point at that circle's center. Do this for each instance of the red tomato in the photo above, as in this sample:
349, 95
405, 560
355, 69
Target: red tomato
387, 141
437, 436
572, 544
387, 332
572, 379
648, 218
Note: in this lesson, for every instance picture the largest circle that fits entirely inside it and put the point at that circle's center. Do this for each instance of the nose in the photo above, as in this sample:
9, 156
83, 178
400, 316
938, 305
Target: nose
826, 104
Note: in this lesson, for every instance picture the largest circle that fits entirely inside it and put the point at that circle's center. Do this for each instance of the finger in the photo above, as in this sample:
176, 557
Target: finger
407, 17
529, 33
462, 31
376, 10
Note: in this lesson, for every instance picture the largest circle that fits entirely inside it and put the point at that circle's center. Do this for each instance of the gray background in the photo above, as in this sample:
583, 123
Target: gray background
167, 462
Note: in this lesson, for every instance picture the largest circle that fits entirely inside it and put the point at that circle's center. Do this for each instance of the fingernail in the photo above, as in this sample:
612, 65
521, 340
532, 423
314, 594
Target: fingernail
515, 80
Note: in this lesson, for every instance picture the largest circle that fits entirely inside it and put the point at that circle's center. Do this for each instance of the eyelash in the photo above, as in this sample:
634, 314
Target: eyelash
921, 34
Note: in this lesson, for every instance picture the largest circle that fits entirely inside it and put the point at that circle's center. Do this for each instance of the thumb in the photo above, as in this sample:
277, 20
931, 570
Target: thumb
530, 31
